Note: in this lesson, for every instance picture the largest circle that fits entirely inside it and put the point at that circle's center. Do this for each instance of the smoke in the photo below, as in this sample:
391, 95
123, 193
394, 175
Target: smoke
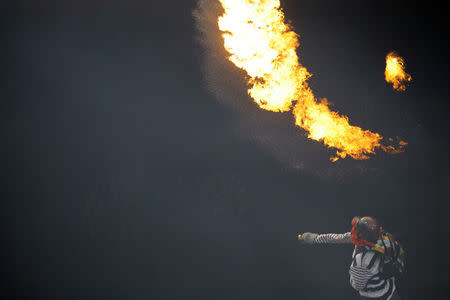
275, 133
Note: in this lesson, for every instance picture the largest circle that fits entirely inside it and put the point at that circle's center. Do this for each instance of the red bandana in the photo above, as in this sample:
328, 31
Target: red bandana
357, 239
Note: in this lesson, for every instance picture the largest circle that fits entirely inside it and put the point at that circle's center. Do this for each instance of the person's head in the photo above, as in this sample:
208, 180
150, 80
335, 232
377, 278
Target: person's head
365, 231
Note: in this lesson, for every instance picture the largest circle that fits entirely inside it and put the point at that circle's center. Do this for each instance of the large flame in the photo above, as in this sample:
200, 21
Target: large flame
261, 43
395, 71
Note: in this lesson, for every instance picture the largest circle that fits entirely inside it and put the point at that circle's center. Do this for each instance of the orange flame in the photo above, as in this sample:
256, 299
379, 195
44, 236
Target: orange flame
395, 72
261, 43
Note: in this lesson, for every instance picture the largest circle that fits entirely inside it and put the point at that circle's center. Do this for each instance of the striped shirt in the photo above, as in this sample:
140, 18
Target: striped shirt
365, 276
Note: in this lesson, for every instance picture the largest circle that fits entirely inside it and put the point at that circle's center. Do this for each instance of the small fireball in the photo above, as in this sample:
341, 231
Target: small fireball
395, 72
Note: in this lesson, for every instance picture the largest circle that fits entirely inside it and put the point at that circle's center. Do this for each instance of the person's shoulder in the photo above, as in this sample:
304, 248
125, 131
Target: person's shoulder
369, 258
365, 251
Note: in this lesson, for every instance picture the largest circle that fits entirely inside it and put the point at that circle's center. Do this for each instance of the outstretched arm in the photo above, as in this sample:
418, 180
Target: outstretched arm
333, 238
326, 238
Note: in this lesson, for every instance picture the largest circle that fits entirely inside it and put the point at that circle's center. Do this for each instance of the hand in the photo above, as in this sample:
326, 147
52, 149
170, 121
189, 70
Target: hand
307, 238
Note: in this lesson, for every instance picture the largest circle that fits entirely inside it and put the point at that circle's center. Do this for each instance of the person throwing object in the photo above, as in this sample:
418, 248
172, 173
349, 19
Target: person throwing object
377, 260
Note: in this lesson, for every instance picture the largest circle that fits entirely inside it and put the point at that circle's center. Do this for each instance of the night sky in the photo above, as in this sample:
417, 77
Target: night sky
130, 170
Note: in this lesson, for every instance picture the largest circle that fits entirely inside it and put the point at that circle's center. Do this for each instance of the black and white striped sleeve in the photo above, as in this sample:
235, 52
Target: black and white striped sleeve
333, 238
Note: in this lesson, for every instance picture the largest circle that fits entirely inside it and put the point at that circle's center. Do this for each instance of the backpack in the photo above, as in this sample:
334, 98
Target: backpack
393, 253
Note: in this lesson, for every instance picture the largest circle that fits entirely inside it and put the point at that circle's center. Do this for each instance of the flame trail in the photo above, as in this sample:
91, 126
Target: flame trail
261, 43
395, 72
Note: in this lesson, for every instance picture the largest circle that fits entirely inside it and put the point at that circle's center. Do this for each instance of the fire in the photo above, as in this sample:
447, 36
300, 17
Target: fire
261, 43
395, 71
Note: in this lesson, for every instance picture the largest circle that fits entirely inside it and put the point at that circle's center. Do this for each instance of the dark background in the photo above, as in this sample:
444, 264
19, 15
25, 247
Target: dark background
122, 177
